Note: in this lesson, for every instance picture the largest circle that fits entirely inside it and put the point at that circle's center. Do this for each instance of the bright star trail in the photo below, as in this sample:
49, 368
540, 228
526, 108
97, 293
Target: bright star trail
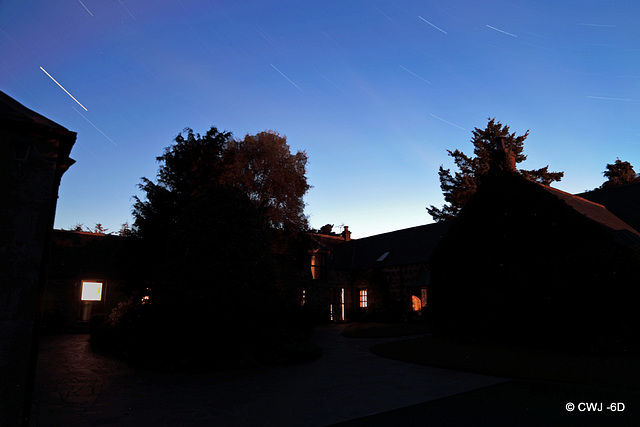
67, 92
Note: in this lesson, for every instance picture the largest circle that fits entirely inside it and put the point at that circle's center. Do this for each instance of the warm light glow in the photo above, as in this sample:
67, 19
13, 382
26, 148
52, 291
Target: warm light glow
416, 303
337, 297
316, 266
91, 291
363, 298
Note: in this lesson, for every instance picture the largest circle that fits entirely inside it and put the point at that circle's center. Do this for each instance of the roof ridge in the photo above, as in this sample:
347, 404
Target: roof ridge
575, 196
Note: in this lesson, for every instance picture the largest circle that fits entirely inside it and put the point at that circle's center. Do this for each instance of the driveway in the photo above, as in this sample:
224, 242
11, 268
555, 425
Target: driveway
77, 387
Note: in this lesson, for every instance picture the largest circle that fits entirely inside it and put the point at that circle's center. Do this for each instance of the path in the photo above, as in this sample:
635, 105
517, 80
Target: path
77, 387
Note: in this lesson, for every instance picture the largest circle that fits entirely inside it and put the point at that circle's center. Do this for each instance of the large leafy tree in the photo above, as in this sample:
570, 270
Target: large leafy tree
459, 187
619, 173
206, 247
263, 167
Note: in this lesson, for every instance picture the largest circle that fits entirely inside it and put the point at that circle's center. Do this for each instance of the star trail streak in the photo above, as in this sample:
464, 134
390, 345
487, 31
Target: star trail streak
437, 28
503, 32
288, 79
446, 121
45, 71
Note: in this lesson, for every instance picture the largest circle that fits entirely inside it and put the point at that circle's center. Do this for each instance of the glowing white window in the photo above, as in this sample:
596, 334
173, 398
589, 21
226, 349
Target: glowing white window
363, 298
91, 291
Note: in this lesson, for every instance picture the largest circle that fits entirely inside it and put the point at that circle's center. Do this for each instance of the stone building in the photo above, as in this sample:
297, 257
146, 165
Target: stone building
382, 277
34, 154
87, 276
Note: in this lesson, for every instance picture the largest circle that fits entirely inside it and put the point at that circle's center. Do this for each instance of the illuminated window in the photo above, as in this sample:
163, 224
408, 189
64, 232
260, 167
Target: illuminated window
423, 296
317, 264
302, 296
363, 298
91, 291
416, 303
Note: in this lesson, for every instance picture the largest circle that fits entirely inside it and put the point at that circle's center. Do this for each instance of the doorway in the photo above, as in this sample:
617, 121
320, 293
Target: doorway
337, 304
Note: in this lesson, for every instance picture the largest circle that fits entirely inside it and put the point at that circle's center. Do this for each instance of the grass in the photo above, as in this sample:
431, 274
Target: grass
511, 362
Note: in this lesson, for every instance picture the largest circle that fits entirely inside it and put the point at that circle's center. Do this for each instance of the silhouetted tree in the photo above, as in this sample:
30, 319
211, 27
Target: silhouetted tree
458, 188
204, 238
99, 229
619, 173
189, 166
125, 230
260, 165
263, 166
326, 229
77, 227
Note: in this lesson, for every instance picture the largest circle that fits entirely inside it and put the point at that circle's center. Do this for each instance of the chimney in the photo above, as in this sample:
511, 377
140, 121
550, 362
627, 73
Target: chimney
346, 234
503, 158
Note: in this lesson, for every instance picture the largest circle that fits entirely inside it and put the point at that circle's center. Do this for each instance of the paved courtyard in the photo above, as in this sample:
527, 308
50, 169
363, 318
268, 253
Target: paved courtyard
77, 387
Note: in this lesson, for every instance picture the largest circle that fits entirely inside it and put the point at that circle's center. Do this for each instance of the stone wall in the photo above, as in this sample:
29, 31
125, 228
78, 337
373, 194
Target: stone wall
33, 157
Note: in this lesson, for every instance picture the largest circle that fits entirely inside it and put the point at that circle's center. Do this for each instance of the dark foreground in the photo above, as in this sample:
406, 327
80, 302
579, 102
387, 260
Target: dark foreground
76, 387
519, 403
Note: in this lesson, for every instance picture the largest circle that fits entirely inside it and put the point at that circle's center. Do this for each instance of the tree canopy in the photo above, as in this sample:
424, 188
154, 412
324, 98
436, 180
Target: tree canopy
261, 166
619, 173
459, 187
205, 251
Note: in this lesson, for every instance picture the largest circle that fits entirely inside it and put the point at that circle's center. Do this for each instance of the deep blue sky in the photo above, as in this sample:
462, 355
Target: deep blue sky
374, 91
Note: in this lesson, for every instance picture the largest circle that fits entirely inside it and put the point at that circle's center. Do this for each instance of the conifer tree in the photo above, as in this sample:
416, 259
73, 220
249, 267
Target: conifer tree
619, 173
459, 187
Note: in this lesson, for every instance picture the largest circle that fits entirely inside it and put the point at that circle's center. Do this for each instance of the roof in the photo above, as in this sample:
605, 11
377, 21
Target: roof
623, 201
16, 118
593, 211
76, 254
72, 238
409, 246
326, 241
11, 110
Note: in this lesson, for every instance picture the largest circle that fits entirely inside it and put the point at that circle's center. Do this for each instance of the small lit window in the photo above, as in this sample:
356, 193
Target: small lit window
423, 297
302, 296
91, 291
363, 298
416, 303
317, 266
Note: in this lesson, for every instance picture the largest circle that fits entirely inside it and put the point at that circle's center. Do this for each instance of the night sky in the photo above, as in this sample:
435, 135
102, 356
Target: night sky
374, 91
